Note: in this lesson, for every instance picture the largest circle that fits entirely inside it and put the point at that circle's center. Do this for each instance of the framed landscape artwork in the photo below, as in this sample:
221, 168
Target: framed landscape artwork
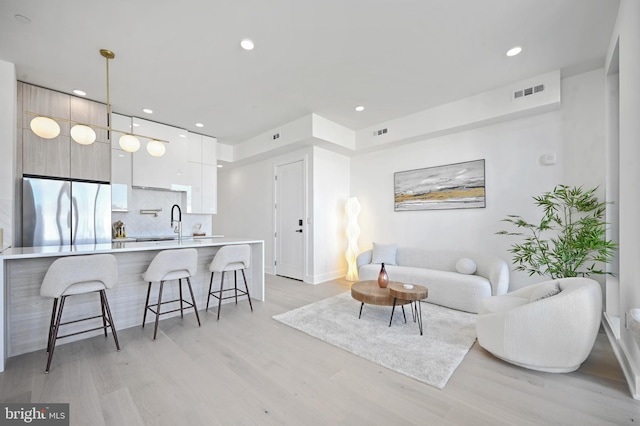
452, 186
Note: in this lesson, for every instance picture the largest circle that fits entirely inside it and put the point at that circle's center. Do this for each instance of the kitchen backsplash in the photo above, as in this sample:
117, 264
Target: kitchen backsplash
144, 225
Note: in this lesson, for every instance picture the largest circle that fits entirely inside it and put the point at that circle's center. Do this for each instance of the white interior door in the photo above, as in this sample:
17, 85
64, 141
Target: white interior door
290, 229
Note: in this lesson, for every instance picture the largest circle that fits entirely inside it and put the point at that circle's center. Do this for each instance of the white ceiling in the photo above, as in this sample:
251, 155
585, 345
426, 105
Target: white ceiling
396, 57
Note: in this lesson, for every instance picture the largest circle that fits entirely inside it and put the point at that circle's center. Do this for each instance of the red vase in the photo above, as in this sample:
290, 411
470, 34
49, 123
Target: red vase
383, 278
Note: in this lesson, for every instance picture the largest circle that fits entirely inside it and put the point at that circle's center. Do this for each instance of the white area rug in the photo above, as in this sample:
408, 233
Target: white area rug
431, 358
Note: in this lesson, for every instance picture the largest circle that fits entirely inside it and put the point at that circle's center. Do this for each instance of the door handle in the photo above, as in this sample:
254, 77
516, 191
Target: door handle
298, 230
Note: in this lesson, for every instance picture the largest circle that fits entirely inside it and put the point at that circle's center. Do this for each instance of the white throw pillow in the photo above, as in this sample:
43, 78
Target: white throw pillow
544, 291
384, 253
466, 266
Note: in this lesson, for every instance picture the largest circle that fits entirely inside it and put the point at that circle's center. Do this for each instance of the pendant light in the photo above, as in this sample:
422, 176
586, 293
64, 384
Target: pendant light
84, 134
156, 148
45, 127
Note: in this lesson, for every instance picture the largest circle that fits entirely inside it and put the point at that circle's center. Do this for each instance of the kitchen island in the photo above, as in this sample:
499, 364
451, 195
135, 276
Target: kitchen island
24, 321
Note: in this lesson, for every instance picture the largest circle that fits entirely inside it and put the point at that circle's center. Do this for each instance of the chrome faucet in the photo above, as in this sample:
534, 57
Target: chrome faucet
178, 227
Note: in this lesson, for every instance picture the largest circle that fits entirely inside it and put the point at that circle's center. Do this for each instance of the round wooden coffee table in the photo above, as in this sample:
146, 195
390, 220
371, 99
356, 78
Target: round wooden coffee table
369, 292
413, 296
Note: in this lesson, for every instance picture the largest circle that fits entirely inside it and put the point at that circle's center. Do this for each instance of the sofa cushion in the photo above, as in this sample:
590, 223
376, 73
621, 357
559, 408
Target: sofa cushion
384, 253
546, 290
466, 266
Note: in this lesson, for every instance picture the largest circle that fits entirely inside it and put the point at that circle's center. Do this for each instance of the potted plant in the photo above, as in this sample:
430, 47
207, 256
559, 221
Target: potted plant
569, 241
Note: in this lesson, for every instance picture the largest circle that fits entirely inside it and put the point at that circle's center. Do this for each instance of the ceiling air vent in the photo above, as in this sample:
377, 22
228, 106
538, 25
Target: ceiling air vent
528, 91
380, 132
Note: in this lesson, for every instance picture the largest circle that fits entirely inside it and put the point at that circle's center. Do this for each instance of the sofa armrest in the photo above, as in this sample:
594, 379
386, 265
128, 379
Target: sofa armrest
496, 271
364, 258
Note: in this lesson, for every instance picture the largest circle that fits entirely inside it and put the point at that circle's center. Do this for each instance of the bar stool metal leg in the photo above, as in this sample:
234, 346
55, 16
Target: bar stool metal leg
220, 296
54, 336
146, 306
193, 301
247, 289
181, 301
53, 321
105, 302
155, 329
209, 294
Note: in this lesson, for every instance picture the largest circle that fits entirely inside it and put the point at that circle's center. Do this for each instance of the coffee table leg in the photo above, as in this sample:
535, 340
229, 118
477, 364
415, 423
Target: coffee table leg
419, 315
361, 305
392, 309
404, 315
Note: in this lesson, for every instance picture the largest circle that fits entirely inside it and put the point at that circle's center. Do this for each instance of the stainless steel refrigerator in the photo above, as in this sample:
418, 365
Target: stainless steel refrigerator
65, 212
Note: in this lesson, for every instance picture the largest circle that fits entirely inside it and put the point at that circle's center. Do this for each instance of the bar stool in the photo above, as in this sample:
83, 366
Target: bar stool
69, 276
170, 265
230, 258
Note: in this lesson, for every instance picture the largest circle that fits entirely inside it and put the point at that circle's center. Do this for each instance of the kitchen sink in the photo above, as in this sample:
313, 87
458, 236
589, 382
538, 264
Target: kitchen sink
160, 238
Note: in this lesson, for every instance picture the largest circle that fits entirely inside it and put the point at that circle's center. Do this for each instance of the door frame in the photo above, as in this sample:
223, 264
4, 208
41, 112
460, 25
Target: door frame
306, 227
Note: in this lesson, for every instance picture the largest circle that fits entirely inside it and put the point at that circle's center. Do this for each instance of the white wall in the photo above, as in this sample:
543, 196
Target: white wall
514, 174
627, 33
583, 111
330, 193
246, 198
8, 100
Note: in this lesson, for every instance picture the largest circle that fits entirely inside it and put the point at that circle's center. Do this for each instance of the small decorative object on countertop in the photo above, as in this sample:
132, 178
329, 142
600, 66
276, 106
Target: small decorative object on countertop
383, 278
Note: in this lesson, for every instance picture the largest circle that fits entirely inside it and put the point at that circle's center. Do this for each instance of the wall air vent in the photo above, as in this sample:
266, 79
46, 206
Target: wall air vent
380, 132
528, 91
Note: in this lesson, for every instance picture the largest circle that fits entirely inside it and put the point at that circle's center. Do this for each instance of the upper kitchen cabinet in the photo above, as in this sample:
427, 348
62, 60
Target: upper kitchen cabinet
167, 171
61, 156
202, 174
41, 101
121, 163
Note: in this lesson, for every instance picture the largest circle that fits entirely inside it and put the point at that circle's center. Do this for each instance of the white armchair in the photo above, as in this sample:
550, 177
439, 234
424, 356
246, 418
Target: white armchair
537, 329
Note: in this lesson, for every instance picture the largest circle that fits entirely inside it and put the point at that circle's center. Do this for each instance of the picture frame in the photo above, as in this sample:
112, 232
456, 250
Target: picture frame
450, 186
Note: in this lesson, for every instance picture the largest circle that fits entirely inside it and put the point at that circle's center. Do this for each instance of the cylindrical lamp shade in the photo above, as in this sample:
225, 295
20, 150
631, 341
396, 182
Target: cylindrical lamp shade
84, 135
352, 208
45, 127
156, 148
129, 143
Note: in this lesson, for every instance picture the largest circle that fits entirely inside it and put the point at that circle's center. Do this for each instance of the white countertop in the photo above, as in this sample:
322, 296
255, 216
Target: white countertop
115, 247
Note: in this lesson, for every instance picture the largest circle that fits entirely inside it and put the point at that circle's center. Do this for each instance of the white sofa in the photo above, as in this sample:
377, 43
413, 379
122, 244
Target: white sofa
537, 329
436, 270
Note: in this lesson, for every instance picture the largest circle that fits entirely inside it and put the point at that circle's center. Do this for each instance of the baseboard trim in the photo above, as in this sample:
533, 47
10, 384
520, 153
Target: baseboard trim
621, 354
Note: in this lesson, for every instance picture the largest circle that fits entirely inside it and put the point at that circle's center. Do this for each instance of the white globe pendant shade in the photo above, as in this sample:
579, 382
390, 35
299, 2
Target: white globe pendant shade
129, 143
82, 134
156, 148
45, 127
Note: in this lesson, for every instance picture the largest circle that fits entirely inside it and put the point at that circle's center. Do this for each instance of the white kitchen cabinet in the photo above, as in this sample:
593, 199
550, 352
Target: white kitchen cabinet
203, 174
164, 172
121, 165
120, 180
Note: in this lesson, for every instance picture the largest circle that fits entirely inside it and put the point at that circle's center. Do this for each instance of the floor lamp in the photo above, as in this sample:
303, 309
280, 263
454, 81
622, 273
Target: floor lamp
352, 208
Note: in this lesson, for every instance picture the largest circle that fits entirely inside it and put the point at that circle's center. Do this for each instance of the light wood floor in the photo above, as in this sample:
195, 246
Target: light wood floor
249, 369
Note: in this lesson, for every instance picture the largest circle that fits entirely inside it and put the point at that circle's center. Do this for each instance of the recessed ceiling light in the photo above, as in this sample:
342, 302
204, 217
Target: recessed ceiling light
182, 136
359, 108
247, 44
199, 125
22, 19
136, 125
220, 166
514, 51
79, 92
147, 111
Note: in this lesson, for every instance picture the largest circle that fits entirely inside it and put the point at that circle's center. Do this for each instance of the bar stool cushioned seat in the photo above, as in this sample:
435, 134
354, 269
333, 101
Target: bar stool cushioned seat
68, 276
170, 265
230, 258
